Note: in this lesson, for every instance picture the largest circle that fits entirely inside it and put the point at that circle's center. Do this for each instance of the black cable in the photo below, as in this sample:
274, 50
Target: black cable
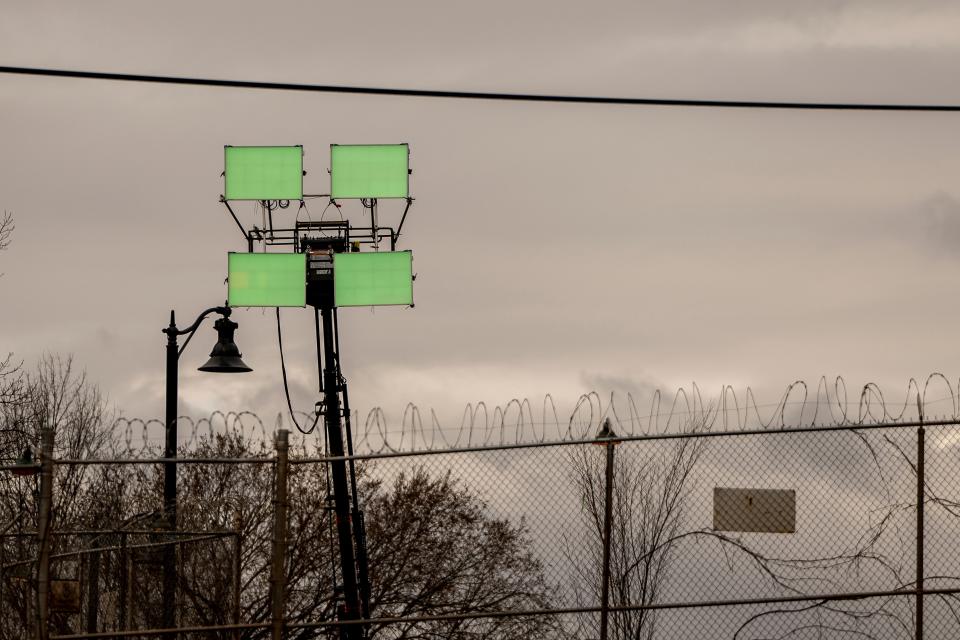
316, 326
286, 389
479, 95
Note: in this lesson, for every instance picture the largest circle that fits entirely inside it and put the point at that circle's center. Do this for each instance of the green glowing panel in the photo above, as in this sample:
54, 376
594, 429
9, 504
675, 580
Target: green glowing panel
263, 173
369, 171
267, 280
368, 279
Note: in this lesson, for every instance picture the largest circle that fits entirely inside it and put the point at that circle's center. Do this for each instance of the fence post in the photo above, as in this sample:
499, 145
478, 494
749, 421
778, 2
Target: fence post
237, 568
3, 560
43, 534
93, 591
921, 479
277, 577
605, 437
123, 622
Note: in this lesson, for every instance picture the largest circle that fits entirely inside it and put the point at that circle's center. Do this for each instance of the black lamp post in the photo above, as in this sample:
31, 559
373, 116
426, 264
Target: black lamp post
225, 358
25, 465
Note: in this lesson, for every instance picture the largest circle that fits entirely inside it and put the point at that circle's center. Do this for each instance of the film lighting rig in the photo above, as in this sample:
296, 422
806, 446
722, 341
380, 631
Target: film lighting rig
325, 264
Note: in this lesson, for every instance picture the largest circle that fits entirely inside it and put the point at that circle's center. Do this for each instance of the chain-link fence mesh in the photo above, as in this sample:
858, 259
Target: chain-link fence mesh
110, 580
807, 533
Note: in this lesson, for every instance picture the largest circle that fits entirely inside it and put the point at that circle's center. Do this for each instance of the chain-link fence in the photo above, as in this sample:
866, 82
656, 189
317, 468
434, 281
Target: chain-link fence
110, 580
802, 533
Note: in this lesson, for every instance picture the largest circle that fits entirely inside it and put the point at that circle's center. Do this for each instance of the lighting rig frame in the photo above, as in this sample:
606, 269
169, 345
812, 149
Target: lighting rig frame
275, 236
320, 240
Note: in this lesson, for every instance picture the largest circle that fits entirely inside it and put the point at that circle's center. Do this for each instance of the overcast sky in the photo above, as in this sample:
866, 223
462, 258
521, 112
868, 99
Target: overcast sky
559, 248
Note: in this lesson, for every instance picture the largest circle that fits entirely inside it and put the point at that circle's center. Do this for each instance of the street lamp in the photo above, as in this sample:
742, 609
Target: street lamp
225, 358
25, 464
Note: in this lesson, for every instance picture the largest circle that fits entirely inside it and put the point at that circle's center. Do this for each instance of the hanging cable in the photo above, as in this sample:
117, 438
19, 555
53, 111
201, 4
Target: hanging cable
481, 95
316, 326
286, 388
302, 207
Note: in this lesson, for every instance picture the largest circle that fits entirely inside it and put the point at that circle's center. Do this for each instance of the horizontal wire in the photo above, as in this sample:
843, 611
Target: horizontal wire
474, 615
680, 435
479, 95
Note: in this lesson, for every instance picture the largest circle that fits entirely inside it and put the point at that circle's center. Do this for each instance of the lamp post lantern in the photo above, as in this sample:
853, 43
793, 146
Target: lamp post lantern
225, 358
25, 464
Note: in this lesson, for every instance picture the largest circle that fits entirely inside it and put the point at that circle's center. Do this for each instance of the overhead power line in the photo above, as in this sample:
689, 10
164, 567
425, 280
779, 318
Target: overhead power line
479, 95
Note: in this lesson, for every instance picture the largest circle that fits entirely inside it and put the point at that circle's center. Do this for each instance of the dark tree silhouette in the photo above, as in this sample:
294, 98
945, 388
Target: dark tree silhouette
434, 548
57, 395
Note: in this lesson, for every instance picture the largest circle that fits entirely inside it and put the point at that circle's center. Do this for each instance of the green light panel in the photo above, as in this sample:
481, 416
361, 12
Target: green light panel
371, 279
263, 173
369, 171
267, 280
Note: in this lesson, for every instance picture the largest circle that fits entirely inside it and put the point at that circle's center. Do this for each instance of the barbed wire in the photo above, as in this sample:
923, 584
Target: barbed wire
801, 405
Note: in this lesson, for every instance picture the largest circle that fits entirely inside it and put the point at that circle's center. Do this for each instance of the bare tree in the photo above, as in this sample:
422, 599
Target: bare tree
10, 370
648, 512
654, 482
434, 550
56, 395
225, 504
6, 229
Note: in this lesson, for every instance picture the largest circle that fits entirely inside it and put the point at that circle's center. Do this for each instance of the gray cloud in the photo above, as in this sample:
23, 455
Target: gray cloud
940, 222
722, 247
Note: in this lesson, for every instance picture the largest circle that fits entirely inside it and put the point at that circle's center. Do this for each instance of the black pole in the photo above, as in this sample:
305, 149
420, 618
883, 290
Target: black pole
278, 553
338, 468
920, 528
237, 575
169, 617
122, 598
607, 520
223, 352
359, 529
43, 534
3, 561
93, 592
27, 595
